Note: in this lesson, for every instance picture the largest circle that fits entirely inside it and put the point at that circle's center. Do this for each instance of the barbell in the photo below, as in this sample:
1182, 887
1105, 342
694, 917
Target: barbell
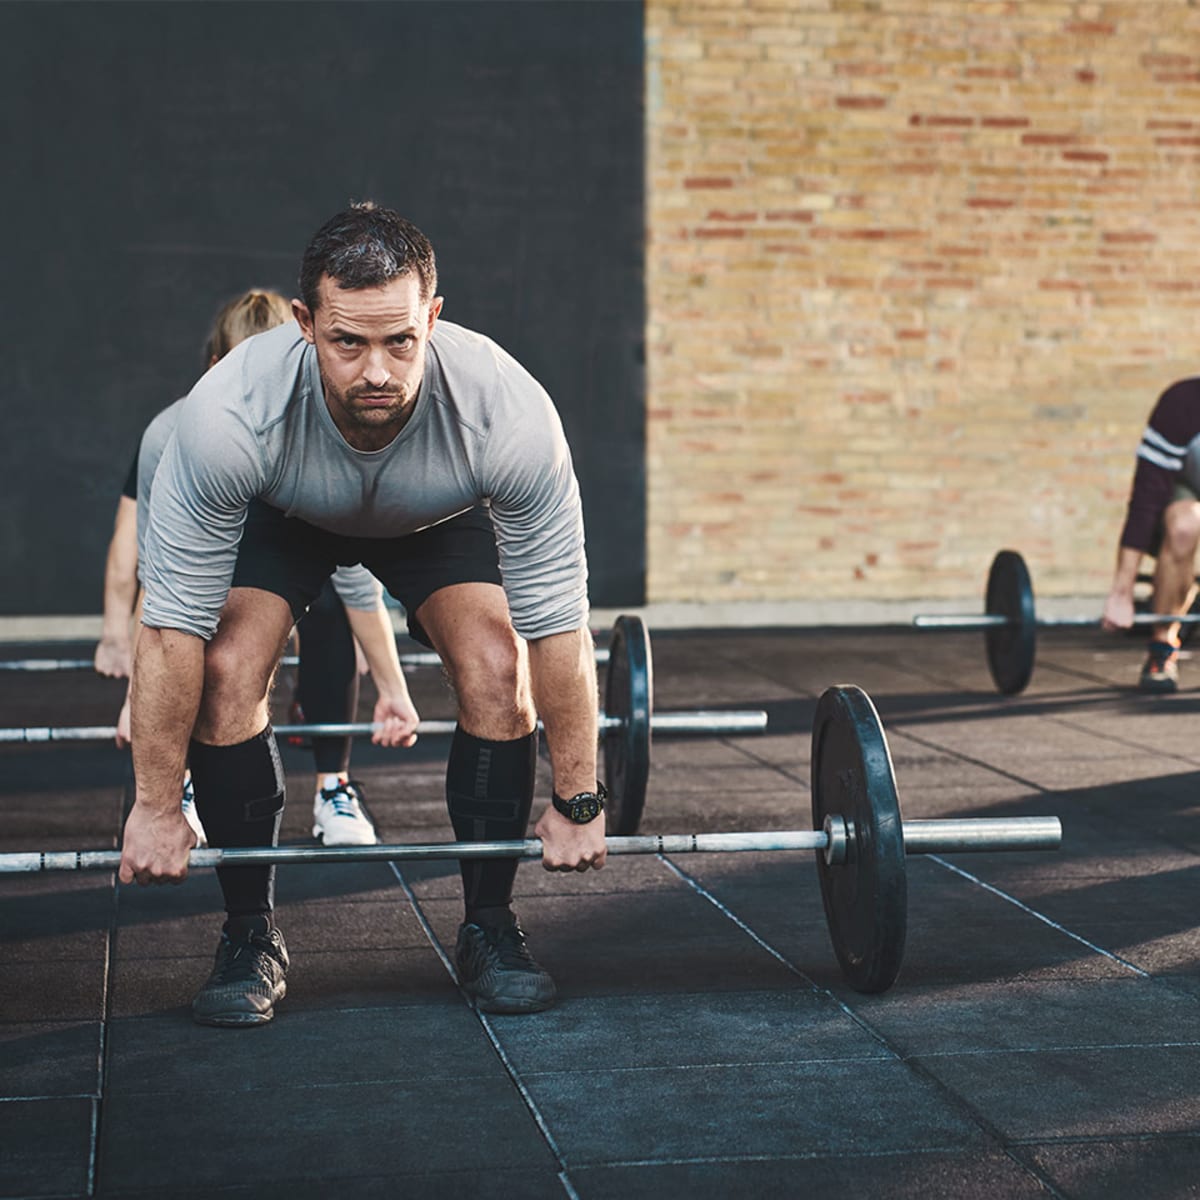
1010, 622
413, 658
859, 838
625, 726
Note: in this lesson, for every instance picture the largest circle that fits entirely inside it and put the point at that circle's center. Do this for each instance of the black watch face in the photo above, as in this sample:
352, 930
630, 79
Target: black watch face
581, 809
585, 809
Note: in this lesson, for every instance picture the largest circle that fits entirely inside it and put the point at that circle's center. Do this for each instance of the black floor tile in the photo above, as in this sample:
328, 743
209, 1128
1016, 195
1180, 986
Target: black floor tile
300, 1049
897, 1176
1107, 1093
864, 1106
50, 1059
52, 990
1161, 1168
274, 1134
597, 1033
45, 1147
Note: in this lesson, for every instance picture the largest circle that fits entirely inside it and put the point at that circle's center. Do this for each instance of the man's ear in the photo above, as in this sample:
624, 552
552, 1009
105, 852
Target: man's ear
304, 319
435, 309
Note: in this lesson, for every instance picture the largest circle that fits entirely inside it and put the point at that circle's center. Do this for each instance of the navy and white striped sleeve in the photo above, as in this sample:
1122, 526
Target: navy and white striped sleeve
1173, 425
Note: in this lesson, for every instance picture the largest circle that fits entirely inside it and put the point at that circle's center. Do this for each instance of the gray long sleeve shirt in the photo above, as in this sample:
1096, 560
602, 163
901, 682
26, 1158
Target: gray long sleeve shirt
256, 427
356, 586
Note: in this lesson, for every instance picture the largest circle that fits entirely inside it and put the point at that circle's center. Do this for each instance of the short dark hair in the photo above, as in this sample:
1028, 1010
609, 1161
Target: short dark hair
366, 246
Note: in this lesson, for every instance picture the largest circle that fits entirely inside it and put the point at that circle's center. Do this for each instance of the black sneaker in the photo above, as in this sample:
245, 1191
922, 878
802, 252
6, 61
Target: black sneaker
247, 980
1160, 672
497, 971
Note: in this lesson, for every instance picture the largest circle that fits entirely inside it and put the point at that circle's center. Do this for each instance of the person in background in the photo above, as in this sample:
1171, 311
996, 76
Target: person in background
1162, 519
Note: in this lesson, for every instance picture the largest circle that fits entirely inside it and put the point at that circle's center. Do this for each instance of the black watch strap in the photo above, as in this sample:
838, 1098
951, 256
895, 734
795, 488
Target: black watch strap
582, 807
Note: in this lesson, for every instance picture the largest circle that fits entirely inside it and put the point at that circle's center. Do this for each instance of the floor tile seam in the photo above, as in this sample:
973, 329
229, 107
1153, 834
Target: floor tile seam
1105, 1139
955, 1100
899, 730
276, 1087
738, 1065
1072, 723
58, 1096
105, 1044
1053, 1048
1013, 900
716, 1160
788, 771
531, 1107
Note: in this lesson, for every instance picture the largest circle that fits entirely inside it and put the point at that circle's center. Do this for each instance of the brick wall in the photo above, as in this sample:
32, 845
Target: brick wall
917, 270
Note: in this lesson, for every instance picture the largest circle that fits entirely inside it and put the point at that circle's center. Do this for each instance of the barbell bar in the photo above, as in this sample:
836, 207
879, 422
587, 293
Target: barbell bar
692, 721
858, 837
414, 658
955, 836
1010, 622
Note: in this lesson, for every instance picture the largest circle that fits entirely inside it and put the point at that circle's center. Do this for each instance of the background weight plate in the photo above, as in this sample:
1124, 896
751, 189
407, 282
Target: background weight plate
628, 695
1010, 648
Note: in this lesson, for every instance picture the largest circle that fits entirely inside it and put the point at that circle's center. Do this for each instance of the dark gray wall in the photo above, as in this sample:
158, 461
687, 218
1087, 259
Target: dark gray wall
160, 157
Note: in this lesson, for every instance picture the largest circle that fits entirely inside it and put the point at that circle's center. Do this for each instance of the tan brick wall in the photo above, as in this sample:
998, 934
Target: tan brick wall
917, 270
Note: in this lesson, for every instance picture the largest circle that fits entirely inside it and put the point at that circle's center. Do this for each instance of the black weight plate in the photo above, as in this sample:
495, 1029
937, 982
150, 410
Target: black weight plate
1010, 648
866, 897
628, 696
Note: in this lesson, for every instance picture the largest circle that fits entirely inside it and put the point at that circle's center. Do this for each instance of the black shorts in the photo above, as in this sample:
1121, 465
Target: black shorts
293, 559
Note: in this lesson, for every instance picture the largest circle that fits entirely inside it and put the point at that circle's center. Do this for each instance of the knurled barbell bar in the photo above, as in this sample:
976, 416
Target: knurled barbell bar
860, 840
413, 658
625, 725
1010, 622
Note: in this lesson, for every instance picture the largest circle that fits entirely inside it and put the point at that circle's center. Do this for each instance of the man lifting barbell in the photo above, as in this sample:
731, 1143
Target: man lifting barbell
367, 432
1163, 519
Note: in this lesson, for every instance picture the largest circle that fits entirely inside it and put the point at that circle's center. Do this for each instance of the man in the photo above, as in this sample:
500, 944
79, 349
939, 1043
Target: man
367, 432
1163, 519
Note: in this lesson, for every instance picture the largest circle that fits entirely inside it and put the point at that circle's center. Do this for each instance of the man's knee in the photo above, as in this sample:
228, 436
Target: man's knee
1181, 528
488, 667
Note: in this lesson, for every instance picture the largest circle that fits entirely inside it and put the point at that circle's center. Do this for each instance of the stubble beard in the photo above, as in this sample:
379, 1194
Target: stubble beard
376, 425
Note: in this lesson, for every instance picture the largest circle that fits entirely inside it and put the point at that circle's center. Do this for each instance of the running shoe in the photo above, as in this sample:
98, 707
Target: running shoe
338, 815
1160, 672
497, 971
248, 979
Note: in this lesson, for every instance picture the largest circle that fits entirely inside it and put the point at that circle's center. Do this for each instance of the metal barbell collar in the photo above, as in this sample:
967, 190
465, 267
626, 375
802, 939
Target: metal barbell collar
957, 836
700, 721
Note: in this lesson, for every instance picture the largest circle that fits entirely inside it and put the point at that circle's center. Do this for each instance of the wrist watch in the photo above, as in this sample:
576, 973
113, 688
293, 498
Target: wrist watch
582, 808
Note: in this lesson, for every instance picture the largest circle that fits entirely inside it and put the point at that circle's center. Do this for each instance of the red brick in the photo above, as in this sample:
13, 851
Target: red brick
1048, 139
708, 181
868, 102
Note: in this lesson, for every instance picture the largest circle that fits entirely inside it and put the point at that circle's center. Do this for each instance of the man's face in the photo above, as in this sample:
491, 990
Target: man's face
370, 345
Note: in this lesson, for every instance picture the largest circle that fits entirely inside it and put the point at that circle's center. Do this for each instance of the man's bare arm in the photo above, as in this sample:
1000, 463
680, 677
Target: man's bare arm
562, 671
168, 678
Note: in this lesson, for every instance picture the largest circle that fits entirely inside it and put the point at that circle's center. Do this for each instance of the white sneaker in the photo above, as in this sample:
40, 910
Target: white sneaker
190, 815
338, 817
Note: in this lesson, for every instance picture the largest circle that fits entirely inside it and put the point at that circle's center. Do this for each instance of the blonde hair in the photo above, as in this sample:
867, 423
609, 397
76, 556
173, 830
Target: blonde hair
252, 312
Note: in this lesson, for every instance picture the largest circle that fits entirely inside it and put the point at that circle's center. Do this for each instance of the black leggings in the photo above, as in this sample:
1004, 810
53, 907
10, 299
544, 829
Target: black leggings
327, 685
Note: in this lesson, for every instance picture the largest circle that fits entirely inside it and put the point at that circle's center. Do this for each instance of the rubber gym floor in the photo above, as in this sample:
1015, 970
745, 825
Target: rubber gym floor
1043, 1037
